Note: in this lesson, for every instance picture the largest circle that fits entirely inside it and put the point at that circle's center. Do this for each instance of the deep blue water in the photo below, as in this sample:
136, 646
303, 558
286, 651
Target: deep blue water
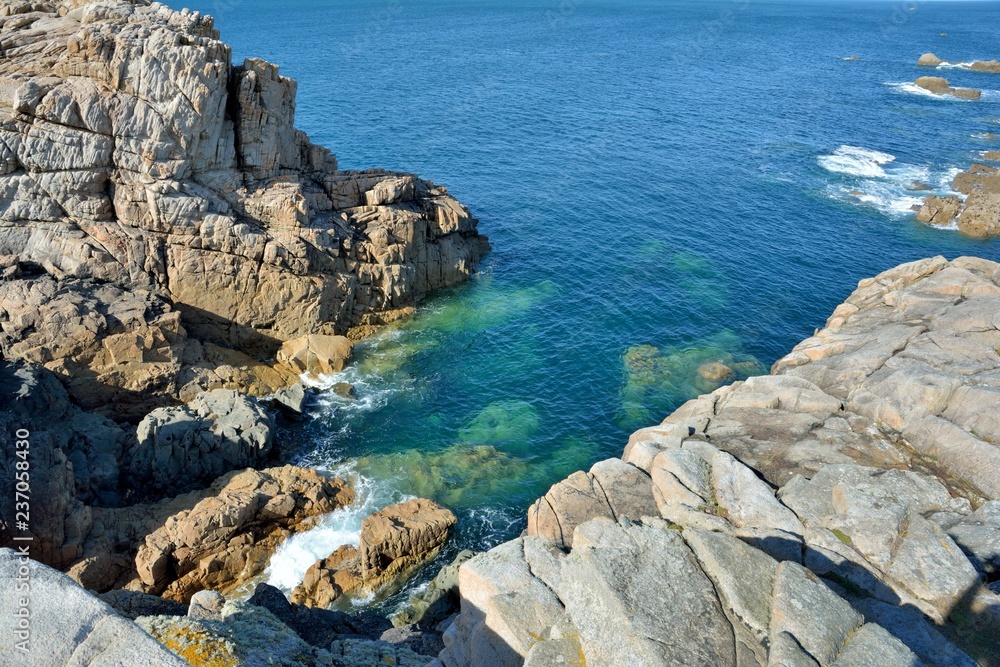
705, 178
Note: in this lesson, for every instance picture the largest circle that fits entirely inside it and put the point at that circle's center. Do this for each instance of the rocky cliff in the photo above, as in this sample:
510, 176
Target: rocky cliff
134, 152
844, 510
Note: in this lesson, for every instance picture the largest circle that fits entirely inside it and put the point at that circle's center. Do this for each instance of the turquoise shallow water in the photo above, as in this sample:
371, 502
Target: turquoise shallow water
665, 185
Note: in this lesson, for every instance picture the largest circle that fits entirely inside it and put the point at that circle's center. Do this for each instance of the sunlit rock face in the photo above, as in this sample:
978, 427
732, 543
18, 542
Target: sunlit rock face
132, 151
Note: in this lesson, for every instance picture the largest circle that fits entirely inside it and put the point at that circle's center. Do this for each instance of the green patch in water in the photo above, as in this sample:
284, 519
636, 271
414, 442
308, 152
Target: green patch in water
509, 425
460, 476
658, 380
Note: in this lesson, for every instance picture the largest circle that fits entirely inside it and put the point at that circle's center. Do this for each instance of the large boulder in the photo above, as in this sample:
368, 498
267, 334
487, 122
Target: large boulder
51, 620
183, 448
929, 60
316, 355
941, 86
134, 152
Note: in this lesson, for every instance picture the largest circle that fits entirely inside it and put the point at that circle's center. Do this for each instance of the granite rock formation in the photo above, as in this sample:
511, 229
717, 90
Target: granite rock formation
230, 531
134, 152
393, 542
120, 352
844, 507
987, 66
978, 215
77, 628
941, 86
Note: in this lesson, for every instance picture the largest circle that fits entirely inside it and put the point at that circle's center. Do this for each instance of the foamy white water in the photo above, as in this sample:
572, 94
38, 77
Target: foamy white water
343, 527
910, 88
877, 179
856, 161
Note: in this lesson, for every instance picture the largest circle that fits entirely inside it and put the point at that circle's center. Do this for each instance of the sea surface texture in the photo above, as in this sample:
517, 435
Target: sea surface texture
665, 184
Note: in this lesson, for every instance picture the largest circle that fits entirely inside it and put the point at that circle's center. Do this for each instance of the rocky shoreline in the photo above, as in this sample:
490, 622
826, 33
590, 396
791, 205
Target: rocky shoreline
841, 508
175, 256
977, 213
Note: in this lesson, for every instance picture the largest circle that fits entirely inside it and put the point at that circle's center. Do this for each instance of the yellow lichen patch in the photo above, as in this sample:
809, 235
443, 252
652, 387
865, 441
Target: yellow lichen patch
197, 648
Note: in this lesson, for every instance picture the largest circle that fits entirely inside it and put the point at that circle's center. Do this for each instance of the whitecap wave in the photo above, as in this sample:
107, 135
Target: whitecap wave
856, 161
909, 88
876, 179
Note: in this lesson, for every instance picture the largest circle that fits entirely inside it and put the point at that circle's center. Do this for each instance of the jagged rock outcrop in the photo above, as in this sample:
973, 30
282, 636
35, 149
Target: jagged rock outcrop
941, 86
230, 531
915, 350
68, 625
978, 215
842, 508
121, 353
393, 542
135, 153
188, 447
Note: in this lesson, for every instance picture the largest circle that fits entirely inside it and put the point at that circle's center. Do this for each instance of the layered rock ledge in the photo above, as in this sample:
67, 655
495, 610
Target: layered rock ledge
134, 152
844, 507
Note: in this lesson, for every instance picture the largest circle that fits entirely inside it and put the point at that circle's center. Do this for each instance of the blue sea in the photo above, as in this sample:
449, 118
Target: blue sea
665, 184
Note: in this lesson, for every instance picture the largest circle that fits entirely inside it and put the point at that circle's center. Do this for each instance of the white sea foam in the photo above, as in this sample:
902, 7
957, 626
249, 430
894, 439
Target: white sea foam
909, 88
878, 180
343, 527
856, 161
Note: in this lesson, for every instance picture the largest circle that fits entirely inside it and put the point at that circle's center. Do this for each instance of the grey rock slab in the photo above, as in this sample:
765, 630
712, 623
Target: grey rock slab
746, 499
872, 646
637, 596
744, 580
803, 606
68, 625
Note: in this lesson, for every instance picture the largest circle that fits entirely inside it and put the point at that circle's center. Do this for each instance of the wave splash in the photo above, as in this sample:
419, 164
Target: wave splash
876, 179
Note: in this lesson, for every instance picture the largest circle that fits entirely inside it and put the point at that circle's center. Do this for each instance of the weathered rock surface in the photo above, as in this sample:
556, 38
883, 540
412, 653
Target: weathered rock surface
978, 215
67, 625
137, 154
611, 489
941, 86
119, 352
914, 350
73, 457
229, 533
184, 448
393, 542
838, 512
316, 354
